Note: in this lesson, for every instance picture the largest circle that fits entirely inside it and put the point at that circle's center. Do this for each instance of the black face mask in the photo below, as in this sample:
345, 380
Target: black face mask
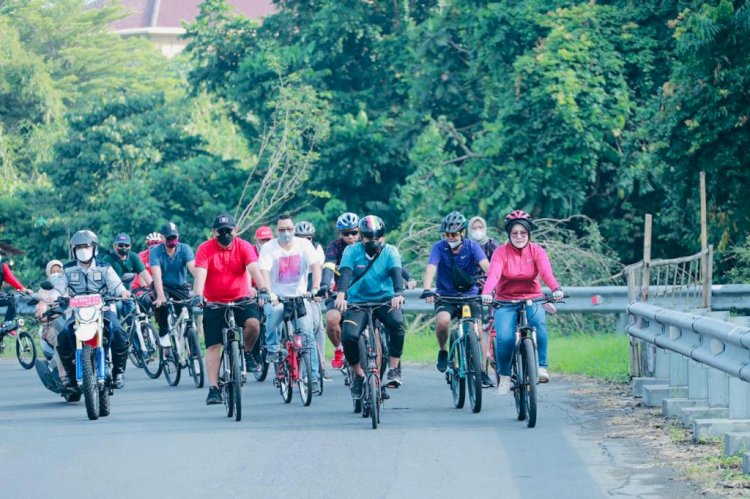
225, 238
372, 247
122, 251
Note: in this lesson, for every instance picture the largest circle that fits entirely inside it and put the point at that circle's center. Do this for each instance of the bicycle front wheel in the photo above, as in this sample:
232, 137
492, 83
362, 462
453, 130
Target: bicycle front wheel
260, 354
305, 381
285, 380
236, 383
171, 364
374, 400
517, 383
532, 378
150, 352
457, 380
134, 351
25, 350
473, 368
194, 357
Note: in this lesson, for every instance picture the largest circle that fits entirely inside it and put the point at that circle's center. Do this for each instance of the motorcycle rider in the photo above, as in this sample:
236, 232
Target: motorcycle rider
87, 275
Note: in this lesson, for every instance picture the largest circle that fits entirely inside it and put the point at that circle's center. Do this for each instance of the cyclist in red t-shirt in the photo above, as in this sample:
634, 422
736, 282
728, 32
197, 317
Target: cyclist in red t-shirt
6, 275
223, 267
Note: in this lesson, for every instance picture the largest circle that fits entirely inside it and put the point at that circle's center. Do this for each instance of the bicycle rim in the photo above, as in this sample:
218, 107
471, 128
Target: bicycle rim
305, 380
530, 366
458, 382
473, 369
194, 358
25, 350
236, 388
517, 386
152, 364
374, 400
171, 364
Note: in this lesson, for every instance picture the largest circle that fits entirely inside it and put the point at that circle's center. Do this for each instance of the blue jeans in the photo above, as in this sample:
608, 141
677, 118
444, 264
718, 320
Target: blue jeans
274, 316
505, 330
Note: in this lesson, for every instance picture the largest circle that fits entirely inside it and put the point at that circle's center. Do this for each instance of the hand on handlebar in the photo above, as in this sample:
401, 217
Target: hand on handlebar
487, 299
340, 302
558, 294
396, 302
428, 296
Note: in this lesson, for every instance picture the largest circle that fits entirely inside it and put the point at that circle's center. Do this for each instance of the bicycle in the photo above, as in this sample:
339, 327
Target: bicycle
369, 354
295, 366
260, 351
464, 355
25, 344
185, 351
524, 375
143, 341
232, 374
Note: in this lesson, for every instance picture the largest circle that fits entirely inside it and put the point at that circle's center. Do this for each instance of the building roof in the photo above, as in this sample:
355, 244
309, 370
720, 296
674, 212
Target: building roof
172, 13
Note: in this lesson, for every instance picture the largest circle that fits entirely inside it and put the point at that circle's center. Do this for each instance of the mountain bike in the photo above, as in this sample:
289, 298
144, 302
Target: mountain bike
25, 344
143, 340
295, 364
465, 355
524, 375
232, 374
185, 351
369, 352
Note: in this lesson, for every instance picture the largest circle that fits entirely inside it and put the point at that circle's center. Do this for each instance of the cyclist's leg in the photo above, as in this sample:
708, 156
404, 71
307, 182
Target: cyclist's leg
305, 325
393, 321
274, 316
505, 337
213, 323
249, 317
538, 319
316, 316
354, 322
444, 312
333, 325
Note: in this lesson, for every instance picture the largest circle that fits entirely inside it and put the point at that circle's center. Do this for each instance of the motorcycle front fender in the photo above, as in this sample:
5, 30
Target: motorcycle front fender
86, 331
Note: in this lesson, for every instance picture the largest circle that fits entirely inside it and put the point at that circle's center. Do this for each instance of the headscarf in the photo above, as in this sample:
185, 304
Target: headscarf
51, 264
483, 240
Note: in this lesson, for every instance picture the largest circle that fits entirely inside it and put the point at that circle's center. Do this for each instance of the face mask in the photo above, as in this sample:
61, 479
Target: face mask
225, 238
454, 244
172, 243
285, 237
122, 252
478, 234
84, 255
55, 275
372, 247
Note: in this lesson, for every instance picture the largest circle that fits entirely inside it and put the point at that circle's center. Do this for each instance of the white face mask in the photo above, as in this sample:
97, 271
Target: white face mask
454, 244
55, 275
84, 255
477, 234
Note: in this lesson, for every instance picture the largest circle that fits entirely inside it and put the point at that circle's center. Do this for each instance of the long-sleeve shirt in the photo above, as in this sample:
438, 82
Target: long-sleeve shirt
514, 273
10, 278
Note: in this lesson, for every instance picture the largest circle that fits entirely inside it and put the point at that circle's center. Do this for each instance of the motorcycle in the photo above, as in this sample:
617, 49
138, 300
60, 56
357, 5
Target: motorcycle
46, 368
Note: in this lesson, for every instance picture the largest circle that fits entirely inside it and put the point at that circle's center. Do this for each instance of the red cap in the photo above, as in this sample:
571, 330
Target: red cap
263, 232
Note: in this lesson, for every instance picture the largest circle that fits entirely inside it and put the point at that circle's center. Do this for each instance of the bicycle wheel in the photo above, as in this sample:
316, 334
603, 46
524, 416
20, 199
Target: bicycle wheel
285, 380
357, 403
171, 364
236, 383
260, 354
532, 377
134, 351
516, 379
25, 350
194, 357
150, 354
458, 383
374, 400
363, 363
473, 367
305, 381
225, 382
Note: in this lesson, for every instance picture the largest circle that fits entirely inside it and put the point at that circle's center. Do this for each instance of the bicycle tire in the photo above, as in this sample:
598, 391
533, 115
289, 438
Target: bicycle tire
134, 350
25, 350
517, 370
152, 362
473, 368
363, 364
261, 372
374, 400
532, 378
236, 388
285, 383
171, 364
90, 390
357, 403
194, 357
458, 383
304, 383
227, 394
320, 374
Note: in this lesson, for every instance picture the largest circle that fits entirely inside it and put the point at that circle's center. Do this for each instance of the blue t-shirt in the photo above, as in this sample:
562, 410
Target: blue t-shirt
174, 269
467, 259
376, 284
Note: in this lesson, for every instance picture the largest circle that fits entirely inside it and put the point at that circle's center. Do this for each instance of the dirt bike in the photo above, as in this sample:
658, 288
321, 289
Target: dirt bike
46, 368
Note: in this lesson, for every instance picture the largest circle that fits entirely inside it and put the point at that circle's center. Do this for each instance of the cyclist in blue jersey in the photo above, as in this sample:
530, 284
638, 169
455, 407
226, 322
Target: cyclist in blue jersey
371, 272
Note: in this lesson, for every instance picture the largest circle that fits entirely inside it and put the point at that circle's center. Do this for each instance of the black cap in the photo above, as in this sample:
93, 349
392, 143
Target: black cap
224, 221
169, 229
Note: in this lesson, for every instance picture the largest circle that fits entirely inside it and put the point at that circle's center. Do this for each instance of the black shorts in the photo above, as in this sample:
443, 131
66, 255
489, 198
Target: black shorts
455, 309
214, 320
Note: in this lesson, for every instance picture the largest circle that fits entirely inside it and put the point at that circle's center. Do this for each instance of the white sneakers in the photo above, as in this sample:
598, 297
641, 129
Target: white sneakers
543, 375
164, 341
503, 386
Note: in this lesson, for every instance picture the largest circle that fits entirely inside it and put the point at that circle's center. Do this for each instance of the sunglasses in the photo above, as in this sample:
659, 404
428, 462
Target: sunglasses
452, 234
349, 232
224, 231
123, 246
172, 238
519, 233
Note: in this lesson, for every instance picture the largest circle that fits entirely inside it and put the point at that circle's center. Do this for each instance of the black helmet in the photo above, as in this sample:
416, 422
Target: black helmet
453, 222
304, 229
371, 226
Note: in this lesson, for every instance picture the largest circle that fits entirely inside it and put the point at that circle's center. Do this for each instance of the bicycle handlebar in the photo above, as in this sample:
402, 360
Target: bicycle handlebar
231, 304
459, 299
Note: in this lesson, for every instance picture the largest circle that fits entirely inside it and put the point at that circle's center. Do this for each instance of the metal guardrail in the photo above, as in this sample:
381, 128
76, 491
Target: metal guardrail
721, 345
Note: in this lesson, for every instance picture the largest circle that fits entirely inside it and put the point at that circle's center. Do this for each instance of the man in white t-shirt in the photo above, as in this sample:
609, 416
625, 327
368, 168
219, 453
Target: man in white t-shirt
285, 263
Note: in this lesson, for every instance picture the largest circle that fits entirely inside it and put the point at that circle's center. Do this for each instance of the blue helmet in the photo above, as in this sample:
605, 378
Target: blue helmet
347, 221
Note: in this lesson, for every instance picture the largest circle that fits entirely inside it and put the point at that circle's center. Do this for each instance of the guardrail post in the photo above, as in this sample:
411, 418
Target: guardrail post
678, 369
718, 388
739, 399
697, 380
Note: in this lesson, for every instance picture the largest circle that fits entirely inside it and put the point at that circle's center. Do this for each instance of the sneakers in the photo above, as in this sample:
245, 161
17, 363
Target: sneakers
164, 341
250, 365
486, 381
358, 386
503, 386
338, 358
543, 375
315, 386
442, 362
214, 396
393, 378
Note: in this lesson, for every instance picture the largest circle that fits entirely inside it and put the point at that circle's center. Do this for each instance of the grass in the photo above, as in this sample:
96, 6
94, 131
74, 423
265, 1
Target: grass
603, 356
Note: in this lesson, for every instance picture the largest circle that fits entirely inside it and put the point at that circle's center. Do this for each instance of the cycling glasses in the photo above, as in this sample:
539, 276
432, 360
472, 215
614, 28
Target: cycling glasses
519, 233
452, 234
349, 232
123, 246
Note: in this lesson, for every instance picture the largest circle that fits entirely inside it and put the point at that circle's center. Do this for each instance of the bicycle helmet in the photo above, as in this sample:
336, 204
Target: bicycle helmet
371, 226
453, 222
84, 238
153, 239
347, 221
519, 217
304, 229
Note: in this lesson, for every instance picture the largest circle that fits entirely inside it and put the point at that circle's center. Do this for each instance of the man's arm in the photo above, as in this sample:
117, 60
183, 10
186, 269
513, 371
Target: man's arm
145, 279
199, 274
429, 275
191, 268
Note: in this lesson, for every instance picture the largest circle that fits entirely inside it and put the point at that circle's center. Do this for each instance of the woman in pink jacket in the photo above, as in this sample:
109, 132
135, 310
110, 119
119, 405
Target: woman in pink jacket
514, 271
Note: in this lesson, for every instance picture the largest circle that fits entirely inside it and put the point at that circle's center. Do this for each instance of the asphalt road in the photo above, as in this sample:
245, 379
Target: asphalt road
165, 442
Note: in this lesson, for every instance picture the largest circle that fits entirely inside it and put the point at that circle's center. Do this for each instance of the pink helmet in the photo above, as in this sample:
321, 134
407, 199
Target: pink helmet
519, 217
